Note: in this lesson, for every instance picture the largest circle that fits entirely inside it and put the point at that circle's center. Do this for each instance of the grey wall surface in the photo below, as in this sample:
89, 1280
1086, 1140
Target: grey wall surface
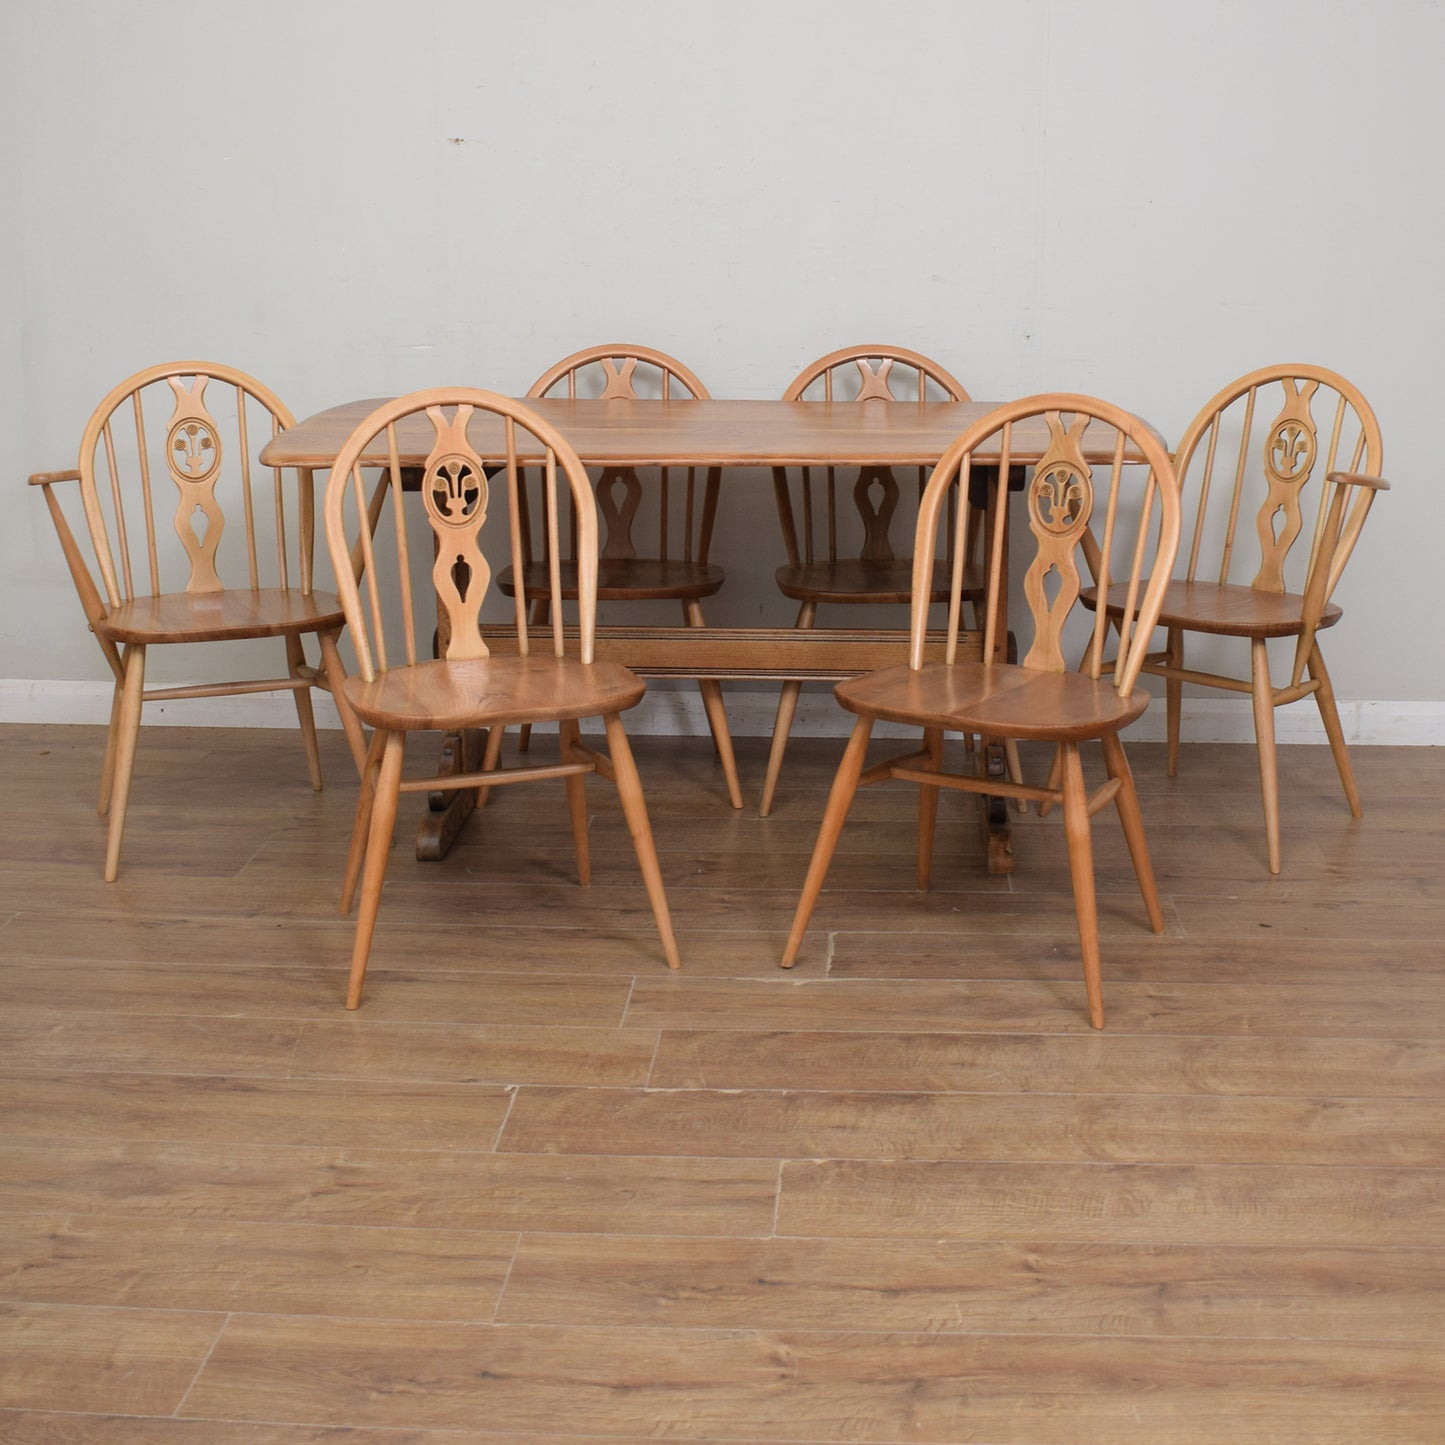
351, 199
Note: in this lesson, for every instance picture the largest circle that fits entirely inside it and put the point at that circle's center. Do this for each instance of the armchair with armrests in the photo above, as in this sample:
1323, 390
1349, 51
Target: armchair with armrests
194, 542
1258, 567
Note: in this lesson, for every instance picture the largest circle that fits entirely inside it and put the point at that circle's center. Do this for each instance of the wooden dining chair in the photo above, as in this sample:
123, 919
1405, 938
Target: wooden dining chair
676, 506
839, 523
1123, 518
1247, 462
194, 541
484, 677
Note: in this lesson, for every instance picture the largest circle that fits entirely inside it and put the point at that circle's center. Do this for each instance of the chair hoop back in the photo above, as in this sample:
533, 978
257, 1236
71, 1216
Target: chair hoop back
874, 366
460, 447
616, 368
1123, 516
160, 426
1250, 455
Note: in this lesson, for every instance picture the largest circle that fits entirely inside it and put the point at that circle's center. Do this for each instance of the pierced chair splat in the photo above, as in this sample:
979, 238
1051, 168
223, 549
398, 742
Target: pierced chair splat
672, 563
194, 542
1258, 567
479, 680
1121, 518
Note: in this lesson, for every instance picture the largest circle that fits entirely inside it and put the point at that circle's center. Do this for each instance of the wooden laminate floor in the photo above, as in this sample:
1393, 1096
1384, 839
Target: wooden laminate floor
538, 1189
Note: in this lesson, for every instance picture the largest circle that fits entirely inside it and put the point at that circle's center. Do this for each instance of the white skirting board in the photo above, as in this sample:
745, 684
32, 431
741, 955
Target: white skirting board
676, 710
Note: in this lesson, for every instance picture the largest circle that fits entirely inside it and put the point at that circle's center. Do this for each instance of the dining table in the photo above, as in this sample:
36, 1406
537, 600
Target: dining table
740, 435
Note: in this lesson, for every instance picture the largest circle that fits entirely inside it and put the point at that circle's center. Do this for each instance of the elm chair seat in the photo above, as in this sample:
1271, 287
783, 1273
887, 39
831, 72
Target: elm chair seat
851, 578
222, 616
1226, 610
492, 691
995, 700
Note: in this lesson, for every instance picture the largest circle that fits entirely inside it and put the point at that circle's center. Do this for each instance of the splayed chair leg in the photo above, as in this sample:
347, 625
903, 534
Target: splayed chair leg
840, 799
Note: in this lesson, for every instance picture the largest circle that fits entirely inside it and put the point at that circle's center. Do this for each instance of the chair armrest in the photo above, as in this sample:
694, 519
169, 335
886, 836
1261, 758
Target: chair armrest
1358, 479
1338, 531
89, 594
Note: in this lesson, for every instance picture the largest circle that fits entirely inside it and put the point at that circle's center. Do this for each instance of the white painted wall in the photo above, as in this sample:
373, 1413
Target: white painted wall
348, 199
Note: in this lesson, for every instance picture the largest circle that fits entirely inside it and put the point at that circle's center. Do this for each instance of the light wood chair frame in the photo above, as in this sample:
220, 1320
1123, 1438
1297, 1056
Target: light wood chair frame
686, 513
461, 574
1290, 457
1064, 500
197, 462
810, 526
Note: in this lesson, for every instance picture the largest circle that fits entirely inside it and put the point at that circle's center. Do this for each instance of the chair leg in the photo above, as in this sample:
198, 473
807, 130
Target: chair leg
1056, 773
305, 714
840, 799
783, 724
1015, 771
1132, 821
127, 736
717, 718
1330, 716
491, 756
356, 855
378, 847
570, 735
634, 808
1263, 695
928, 806
1055, 767
1078, 834
541, 607
112, 734
1174, 697
336, 681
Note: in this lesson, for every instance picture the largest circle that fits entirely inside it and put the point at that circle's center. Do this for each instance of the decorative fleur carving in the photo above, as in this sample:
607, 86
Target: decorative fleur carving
194, 451
454, 494
1290, 448
1290, 452
1060, 502
193, 459
455, 490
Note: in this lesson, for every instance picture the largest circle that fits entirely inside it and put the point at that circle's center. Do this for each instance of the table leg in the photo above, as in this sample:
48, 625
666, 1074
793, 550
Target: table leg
448, 809
998, 829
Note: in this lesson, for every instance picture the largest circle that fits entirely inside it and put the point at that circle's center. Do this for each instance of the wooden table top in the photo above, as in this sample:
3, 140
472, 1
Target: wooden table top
698, 433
